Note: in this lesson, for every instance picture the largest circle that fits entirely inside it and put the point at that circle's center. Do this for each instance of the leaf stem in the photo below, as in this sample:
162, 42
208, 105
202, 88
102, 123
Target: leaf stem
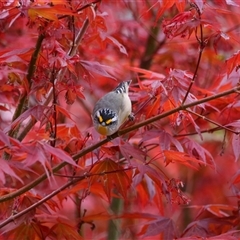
211, 121
202, 46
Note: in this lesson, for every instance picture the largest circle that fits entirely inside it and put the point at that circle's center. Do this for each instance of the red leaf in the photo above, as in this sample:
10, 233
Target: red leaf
166, 140
160, 225
180, 4
117, 179
129, 151
179, 157
181, 25
187, 117
236, 178
2, 108
63, 111
220, 210
4, 138
48, 12
59, 153
6, 169
209, 227
70, 96
200, 4
199, 152
166, 4
236, 146
39, 113
118, 44
35, 154
147, 74
97, 68
233, 62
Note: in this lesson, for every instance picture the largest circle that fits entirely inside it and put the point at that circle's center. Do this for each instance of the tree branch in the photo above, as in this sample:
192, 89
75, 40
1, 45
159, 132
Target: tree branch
24, 98
213, 122
55, 192
202, 46
115, 135
59, 76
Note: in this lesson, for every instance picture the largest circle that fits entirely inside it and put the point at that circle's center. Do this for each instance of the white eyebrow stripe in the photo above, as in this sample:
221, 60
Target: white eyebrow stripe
114, 119
98, 114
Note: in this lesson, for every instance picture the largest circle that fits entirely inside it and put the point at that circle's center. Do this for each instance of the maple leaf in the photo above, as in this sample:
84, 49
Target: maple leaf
38, 113
129, 151
196, 150
183, 158
218, 210
233, 62
122, 49
116, 178
236, 178
4, 138
58, 48
64, 229
97, 68
160, 225
209, 227
41, 152
165, 5
58, 153
147, 74
181, 25
48, 12
32, 230
7, 169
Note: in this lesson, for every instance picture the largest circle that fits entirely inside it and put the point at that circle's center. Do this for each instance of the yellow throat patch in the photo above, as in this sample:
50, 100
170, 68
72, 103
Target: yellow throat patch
102, 130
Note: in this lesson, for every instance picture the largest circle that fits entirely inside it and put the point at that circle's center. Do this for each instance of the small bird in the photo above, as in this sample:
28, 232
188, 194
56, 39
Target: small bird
112, 110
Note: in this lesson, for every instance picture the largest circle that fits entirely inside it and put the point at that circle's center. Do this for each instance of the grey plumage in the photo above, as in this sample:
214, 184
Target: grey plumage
117, 103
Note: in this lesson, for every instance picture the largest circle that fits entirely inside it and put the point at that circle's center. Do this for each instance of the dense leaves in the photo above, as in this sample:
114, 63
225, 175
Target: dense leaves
172, 173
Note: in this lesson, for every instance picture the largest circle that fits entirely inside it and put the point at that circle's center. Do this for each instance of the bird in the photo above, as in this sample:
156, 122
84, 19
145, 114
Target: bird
112, 110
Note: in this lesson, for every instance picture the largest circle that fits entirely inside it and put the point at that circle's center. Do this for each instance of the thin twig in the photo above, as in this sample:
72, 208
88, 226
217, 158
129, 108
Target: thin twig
82, 8
211, 121
54, 129
55, 192
26, 210
210, 130
59, 76
54, 170
202, 46
115, 135
21, 107
182, 107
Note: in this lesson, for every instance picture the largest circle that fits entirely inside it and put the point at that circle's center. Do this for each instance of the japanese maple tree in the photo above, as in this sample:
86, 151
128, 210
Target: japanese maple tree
172, 173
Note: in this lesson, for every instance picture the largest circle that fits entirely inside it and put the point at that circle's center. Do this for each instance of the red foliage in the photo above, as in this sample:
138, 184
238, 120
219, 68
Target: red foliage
172, 173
